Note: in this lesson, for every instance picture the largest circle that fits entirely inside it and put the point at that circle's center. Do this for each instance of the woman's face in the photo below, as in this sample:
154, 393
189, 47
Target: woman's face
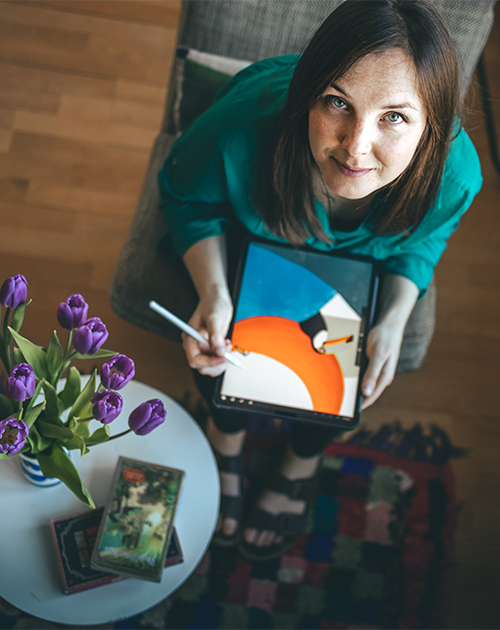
364, 129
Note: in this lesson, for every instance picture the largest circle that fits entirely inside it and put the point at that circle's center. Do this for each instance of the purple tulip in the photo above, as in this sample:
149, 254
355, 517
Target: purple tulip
14, 291
106, 406
117, 372
21, 382
90, 336
13, 434
72, 313
147, 417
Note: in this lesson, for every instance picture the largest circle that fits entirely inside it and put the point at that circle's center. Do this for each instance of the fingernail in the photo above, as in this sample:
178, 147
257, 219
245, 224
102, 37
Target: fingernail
368, 389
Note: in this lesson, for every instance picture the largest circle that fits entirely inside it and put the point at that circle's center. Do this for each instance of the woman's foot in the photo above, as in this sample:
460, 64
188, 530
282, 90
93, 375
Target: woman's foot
279, 515
228, 452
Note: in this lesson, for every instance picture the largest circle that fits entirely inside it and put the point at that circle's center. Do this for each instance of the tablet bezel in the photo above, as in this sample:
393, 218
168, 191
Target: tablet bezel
272, 410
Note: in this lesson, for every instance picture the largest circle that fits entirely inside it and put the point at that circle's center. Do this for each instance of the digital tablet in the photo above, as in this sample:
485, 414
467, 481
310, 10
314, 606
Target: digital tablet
299, 329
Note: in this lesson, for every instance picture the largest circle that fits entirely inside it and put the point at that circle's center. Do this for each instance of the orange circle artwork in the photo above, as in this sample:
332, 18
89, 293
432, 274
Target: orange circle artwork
283, 340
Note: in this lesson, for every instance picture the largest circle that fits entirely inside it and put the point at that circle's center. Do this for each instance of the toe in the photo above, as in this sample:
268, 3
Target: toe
229, 526
250, 535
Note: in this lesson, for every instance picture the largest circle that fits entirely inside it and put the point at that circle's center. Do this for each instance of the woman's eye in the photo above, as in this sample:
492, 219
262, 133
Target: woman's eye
394, 118
335, 101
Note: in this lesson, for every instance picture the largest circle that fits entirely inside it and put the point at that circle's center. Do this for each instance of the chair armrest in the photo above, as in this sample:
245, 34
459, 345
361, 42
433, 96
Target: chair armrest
142, 273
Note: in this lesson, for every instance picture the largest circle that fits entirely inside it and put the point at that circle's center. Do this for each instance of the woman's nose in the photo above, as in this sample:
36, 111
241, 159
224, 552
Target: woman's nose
357, 138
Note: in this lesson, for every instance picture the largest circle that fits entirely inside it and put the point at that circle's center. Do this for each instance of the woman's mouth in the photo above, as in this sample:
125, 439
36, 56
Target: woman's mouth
351, 172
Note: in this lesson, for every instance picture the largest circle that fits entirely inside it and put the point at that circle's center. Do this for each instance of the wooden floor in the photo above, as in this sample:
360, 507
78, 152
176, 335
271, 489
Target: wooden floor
82, 86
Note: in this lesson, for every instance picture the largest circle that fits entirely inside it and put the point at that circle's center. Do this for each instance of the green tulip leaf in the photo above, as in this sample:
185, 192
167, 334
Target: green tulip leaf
57, 463
31, 416
54, 406
102, 353
71, 389
99, 436
36, 393
17, 356
77, 442
6, 407
52, 430
83, 428
34, 355
54, 355
4, 356
37, 442
18, 316
82, 407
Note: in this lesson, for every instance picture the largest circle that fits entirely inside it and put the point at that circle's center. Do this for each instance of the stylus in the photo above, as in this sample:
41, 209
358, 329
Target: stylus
173, 319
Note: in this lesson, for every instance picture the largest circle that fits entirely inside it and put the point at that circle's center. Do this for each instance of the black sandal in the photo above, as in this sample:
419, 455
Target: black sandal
285, 524
230, 506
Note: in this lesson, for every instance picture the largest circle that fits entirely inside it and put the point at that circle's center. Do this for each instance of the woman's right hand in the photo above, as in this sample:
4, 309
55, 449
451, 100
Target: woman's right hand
211, 319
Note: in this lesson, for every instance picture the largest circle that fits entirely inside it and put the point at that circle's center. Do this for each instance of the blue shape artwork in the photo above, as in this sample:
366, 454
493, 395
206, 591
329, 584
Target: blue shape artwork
275, 286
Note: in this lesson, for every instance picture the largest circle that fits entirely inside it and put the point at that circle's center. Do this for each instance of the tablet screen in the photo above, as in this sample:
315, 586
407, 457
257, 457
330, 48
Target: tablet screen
299, 329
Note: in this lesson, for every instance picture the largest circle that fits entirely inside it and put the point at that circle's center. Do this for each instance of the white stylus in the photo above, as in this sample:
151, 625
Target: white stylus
173, 319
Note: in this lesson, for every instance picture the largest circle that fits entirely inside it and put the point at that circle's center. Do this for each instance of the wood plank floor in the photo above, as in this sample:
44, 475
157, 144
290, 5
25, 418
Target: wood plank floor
82, 88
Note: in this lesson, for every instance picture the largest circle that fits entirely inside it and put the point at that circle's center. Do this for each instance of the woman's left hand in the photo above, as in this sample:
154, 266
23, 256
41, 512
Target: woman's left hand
382, 348
397, 299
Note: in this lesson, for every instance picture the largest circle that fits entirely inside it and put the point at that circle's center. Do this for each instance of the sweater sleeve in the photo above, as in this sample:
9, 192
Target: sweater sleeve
416, 257
193, 195
217, 154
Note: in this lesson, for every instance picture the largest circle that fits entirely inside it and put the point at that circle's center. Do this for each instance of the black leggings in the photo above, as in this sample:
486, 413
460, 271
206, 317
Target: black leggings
306, 439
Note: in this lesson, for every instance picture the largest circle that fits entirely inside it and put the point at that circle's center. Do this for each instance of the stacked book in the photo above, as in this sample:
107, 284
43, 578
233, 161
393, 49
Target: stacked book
132, 536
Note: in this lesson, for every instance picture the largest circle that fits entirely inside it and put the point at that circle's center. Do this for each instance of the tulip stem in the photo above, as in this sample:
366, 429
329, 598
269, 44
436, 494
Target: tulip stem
5, 320
7, 339
79, 420
68, 345
113, 437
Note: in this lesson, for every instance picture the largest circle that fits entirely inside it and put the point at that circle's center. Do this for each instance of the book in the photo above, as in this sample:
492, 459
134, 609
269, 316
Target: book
74, 538
137, 522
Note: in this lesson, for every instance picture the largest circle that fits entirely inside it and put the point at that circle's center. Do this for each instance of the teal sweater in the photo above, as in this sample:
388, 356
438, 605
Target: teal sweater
207, 182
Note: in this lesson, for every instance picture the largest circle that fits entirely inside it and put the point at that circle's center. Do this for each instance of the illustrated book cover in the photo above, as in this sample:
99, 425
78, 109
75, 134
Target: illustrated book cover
137, 523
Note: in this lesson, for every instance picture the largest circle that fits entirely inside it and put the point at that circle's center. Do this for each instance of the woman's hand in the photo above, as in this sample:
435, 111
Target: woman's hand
211, 318
382, 348
206, 263
397, 299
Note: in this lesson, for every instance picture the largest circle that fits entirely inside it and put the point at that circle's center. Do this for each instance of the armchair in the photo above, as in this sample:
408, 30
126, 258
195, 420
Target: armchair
252, 30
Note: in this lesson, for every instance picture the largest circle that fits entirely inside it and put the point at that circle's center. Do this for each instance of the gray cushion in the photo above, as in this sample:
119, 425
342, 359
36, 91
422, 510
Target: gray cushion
418, 332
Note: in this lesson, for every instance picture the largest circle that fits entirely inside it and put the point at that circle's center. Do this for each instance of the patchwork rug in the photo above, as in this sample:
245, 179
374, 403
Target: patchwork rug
375, 555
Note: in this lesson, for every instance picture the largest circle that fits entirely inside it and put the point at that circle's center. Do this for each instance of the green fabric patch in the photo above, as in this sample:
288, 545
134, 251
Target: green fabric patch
233, 616
385, 485
347, 553
285, 621
333, 463
368, 585
311, 600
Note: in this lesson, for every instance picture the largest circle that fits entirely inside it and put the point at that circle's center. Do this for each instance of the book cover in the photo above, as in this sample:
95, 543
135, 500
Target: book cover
138, 518
74, 538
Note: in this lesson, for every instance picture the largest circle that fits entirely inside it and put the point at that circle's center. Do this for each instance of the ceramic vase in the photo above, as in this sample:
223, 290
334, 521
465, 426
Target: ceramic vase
33, 473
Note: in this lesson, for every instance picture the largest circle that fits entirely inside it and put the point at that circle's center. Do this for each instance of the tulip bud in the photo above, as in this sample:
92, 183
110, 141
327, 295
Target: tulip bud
147, 417
13, 434
90, 336
14, 291
21, 382
72, 313
117, 372
106, 406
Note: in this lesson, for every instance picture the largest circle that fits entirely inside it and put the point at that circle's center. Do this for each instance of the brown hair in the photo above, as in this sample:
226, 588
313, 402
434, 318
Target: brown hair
355, 29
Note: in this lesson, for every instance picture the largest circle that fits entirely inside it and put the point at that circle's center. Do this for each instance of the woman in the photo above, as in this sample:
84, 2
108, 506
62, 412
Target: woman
356, 145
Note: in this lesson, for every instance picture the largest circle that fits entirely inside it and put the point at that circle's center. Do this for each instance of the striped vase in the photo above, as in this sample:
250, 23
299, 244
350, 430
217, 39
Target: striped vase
32, 472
